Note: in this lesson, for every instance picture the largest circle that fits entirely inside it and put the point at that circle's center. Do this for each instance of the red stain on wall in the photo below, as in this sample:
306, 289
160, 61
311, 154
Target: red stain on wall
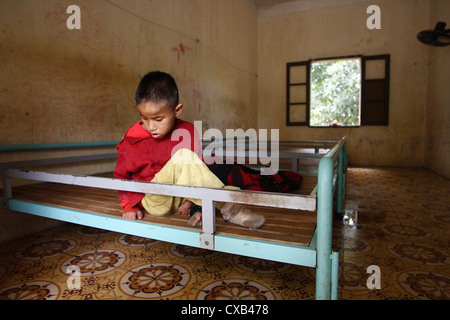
180, 50
197, 96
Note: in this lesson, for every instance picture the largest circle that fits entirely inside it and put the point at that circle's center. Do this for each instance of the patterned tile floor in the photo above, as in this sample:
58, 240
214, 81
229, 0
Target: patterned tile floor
402, 226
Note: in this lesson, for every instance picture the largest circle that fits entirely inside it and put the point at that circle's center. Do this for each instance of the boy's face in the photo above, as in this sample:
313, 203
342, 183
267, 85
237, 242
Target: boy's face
157, 118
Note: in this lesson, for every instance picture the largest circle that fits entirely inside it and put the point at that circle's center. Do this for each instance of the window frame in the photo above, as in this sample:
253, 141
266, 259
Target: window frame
368, 104
290, 65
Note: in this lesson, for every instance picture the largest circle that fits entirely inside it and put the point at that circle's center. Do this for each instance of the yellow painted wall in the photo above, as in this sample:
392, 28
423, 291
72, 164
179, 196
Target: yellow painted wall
330, 31
437, 156
60, 85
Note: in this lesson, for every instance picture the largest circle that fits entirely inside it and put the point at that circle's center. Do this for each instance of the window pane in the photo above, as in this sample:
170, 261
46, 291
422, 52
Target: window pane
375, 69
375, 111
335, 92
298, 94
375, 90
298, 74
297, 113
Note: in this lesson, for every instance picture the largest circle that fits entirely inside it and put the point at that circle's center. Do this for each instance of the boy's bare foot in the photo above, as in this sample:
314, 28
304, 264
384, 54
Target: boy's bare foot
242, 216
196, 216
133, 214
185, 209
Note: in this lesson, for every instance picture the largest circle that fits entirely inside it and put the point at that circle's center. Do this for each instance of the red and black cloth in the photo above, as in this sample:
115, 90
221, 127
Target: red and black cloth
250, 179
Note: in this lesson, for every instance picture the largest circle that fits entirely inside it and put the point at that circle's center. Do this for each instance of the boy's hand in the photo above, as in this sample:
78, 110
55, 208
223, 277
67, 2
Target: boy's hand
133, 214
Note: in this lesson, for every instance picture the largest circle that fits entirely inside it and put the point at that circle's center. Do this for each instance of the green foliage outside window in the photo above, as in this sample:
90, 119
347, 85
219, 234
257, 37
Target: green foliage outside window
335, 93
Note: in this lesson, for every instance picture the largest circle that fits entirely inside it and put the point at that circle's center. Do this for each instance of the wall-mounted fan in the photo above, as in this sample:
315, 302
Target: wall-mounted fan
439, 37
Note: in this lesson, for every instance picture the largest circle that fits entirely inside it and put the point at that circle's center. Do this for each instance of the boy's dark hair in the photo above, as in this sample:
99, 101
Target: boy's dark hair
157, 86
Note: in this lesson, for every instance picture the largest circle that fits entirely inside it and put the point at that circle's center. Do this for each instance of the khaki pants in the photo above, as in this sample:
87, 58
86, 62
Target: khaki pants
184, 168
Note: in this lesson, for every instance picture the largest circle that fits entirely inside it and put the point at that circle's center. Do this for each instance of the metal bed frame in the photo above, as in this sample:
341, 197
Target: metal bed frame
331, 173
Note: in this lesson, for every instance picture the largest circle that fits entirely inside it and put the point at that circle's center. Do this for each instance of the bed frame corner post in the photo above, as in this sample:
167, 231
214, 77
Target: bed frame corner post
340, 184
345, 157
324, 228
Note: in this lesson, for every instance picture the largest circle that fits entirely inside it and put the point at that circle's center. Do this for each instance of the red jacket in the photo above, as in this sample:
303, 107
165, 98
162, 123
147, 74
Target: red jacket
141, 156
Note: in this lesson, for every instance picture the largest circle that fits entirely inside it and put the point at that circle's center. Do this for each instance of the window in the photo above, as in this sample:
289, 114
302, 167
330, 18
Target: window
342, 91
335, 92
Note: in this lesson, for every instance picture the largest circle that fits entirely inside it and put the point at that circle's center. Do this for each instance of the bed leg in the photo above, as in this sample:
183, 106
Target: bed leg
334, 275
324, 228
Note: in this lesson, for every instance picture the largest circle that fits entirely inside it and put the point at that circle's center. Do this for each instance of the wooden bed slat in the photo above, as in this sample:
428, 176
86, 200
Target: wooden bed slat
282, 225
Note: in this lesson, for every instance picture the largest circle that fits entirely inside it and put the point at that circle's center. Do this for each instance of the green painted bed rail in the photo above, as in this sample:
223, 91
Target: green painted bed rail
53, 146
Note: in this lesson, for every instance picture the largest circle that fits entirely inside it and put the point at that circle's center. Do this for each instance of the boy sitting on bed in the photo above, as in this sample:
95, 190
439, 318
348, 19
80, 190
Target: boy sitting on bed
148, 153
